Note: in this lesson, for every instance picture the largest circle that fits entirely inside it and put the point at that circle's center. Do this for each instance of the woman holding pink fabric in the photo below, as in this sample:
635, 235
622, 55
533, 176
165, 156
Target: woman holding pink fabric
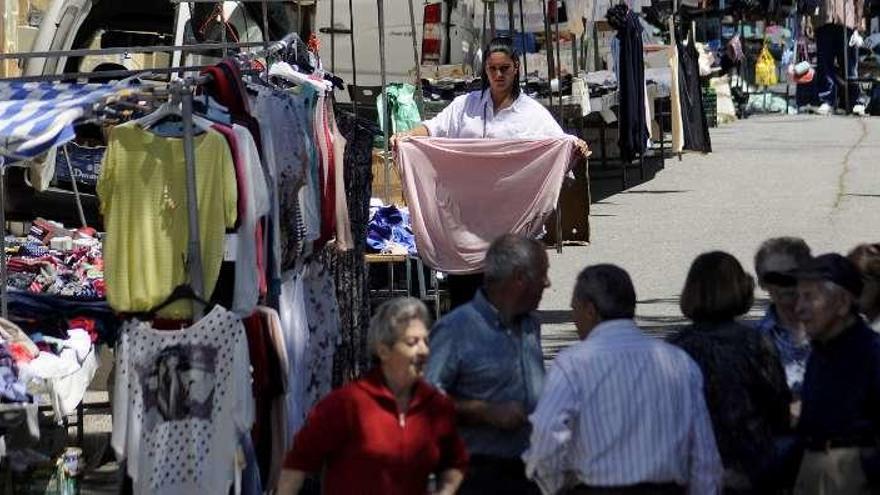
498, 111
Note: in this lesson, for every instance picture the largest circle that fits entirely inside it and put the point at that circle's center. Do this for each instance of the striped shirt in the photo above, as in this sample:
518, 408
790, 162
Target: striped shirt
622, 408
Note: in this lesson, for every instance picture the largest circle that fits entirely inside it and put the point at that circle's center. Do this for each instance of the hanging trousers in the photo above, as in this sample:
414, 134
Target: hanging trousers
830, 45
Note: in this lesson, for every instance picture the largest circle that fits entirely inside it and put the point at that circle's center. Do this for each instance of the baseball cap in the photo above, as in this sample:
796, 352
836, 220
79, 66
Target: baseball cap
832, 267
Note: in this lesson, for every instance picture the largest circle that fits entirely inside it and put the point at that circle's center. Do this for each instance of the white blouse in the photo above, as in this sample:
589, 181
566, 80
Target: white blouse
473, 116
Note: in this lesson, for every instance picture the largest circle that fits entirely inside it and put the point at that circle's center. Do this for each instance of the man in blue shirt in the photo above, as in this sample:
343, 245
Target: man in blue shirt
840, 417
487, 355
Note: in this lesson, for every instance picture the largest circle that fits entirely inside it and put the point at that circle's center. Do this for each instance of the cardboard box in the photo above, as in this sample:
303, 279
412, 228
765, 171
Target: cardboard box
395, 189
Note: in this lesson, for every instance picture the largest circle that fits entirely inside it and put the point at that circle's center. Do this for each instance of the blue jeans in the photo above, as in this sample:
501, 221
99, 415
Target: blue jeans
830, 43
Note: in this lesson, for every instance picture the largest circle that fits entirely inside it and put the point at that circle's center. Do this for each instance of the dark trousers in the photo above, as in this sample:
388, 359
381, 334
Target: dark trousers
830, 43
640, 489
489, 475
463, 288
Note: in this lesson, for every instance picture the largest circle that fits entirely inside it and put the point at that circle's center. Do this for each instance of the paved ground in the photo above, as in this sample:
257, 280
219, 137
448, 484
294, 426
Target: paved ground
818, 178
806, 176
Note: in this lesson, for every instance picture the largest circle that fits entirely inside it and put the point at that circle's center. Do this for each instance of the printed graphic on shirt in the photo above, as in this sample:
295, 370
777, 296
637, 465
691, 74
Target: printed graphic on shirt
179, 384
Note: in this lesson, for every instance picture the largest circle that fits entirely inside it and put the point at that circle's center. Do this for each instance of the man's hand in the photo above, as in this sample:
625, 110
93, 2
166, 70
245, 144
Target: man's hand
506, 415
502, 415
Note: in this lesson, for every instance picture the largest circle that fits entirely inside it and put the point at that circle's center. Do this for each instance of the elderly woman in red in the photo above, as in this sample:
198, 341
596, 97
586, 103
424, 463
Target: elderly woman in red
387, 432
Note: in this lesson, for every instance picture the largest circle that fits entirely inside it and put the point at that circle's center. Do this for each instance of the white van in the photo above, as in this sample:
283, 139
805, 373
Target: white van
454, 32
76, 24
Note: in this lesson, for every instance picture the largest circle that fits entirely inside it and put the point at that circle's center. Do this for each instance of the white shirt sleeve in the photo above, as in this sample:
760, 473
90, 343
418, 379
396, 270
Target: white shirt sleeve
120, 396
543, 123
246, 291
242, 376
547, 460
126, 436
447, 122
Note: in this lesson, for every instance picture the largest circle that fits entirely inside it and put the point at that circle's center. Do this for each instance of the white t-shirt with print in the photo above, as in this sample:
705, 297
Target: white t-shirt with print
181, 400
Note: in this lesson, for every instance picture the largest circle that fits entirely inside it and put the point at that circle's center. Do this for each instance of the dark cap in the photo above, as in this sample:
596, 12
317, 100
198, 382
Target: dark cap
831, 267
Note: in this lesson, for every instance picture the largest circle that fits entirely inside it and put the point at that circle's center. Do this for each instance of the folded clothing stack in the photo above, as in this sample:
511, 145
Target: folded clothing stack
390, 231
76, 274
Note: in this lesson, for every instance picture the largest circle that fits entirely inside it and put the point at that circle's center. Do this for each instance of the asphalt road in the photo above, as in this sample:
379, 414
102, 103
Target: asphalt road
807, 176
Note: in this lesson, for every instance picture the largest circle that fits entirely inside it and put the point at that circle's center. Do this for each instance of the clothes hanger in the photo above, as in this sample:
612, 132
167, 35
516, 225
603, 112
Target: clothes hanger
181, 292
210, 109
168, 110
288, 73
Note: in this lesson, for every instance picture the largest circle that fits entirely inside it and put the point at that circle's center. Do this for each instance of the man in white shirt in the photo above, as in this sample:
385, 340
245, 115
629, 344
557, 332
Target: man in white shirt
621, 412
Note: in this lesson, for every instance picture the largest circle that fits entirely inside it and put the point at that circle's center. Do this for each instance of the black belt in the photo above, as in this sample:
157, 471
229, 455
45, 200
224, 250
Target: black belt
823, 444
637, 489
478, 460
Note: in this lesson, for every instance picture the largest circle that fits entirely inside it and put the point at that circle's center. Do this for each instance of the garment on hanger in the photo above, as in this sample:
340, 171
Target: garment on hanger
228, 89
278, 113
326, 173
295, 326
278, 413
181, 400
344, 240
249, 266
349, 268
142, 189
267, 386
449, 183
675, 93
633, 132
695, 128
322, 313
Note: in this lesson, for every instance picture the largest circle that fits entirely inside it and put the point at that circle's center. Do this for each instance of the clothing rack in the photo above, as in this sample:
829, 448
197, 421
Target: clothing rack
181, 89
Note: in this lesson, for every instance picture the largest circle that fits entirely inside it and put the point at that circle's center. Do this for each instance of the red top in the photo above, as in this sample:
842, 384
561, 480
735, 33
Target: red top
356, 433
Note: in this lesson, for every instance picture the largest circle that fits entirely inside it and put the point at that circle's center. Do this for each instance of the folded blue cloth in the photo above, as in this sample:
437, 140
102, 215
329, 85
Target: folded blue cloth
390, 225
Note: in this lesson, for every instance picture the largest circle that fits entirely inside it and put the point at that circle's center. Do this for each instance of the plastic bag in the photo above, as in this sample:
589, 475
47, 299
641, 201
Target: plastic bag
765, 69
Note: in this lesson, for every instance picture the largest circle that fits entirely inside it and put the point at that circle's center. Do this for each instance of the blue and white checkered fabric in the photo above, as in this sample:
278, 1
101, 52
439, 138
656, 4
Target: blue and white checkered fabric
35, 117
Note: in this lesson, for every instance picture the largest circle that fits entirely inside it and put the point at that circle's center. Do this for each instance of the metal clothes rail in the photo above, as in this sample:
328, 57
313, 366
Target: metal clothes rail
181, 90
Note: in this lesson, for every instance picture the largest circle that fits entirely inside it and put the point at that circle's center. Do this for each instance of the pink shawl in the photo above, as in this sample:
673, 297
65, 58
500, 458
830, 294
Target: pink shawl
463, 193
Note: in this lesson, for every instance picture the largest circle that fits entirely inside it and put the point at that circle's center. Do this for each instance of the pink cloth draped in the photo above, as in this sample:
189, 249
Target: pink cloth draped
464, 193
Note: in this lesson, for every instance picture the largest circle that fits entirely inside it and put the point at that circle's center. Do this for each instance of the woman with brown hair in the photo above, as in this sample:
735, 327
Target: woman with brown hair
867, 258
746, 391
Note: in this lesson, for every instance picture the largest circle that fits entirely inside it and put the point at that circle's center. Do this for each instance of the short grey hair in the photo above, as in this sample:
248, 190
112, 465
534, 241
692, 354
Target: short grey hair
609, 288
792, 247
511, 255
392, 318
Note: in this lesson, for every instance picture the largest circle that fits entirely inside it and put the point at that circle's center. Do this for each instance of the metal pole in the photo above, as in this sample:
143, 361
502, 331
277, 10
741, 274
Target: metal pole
483, 40
194, 251
846, 74
354, 104
333, 36
4, 296
525, 57
561, 117
511, 26
265, 8
412, 22
384, 76
492, 27
79, 207
558, 66
548, 47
